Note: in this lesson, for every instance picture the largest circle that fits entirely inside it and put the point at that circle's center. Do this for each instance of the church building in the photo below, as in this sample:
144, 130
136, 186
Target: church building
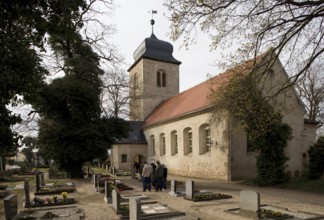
175, 128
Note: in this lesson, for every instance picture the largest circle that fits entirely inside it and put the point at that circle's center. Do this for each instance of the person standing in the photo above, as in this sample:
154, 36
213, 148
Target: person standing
146, 176
153, 179
165, 176
159, 176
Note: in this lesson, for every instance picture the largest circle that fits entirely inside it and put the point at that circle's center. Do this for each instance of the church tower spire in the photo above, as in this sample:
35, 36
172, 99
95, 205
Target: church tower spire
154, 76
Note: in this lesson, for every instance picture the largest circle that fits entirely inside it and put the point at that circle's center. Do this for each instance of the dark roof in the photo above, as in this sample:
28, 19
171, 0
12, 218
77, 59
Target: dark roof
135, 134
155, 49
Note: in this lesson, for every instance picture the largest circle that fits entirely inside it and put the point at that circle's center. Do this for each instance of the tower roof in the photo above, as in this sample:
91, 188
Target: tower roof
155, 49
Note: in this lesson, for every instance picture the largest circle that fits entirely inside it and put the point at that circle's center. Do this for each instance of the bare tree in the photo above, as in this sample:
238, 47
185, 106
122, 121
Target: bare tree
115, 95
95, 27
311, 90
293, 28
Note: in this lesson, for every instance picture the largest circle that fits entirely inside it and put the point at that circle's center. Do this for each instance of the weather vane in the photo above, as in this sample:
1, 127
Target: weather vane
152, 20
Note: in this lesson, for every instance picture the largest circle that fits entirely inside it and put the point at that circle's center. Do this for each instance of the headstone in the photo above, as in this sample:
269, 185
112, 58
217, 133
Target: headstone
190, 189
98, 176
26, 189
107, 192
37, 182
249, 201
107, 169
42, 179
10, 206
173, 186
116, 200
134, 208
94, 179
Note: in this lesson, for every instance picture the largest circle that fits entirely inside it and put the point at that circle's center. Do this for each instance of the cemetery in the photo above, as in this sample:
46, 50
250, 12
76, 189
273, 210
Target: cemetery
39, 197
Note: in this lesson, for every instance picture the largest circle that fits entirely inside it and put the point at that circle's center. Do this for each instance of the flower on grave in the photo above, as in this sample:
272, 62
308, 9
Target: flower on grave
64, 195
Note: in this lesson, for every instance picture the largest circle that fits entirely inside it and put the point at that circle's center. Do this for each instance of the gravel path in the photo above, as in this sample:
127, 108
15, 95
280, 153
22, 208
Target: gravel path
95, 208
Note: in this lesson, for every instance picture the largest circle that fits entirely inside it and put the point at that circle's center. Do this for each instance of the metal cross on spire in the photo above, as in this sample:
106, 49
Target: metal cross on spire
152, 20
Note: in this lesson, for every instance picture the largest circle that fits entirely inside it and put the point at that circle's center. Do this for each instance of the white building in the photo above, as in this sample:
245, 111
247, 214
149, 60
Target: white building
175, 129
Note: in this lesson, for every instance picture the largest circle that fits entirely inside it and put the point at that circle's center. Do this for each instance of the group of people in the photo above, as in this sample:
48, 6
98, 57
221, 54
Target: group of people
154, 175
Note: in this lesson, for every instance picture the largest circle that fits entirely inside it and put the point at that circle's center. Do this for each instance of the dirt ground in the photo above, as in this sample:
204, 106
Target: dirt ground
94, 207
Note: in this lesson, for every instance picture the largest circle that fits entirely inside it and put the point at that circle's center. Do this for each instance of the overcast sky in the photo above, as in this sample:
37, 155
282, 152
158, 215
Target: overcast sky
132, 19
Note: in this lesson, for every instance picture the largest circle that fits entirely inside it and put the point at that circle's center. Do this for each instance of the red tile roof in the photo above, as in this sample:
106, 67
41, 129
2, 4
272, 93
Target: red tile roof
195, 98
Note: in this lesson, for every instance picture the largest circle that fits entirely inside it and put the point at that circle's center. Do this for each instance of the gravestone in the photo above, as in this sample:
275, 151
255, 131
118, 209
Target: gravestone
190, 189
37, 182
249, 201
173, 186
10, 206
26, 189
107, 197
116, 200
42, 179
134, 208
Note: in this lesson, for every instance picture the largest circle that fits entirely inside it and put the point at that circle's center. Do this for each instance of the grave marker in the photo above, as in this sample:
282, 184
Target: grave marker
37, 182
134, 208
249, 201
173, 186
10, 206
42, 179
107, 197
116, 200
26, 189
190, 189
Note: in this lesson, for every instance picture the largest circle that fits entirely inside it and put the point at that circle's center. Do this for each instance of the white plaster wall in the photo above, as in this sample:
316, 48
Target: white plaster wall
131, 150
211, 165
243, 163
293, 112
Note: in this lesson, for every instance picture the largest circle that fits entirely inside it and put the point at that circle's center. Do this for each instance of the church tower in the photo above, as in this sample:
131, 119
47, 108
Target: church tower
154, 76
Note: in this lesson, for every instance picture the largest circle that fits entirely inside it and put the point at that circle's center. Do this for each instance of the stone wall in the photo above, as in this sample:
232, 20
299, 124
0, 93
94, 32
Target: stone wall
149, 95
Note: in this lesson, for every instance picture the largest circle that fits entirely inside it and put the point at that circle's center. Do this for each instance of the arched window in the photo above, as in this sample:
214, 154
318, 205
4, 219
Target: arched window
162, 144
205, 142
161, 78
152, 144
187, 141
174, 143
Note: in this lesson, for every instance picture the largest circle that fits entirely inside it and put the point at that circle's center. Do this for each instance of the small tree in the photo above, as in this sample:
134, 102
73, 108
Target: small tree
316, 159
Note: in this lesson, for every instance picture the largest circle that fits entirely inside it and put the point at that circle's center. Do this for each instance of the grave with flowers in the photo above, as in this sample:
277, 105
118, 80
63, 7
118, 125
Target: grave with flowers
54, 200
197, 195
51, 188
51, 201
